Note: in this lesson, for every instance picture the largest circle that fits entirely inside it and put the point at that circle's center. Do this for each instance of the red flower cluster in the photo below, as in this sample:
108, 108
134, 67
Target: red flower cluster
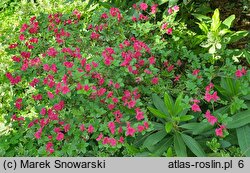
60, 71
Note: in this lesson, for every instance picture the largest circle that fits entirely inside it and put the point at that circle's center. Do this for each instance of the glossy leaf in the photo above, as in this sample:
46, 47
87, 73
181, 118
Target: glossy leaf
240, 119
159, 104
215, 20
179, 146
186, 117
157, 113
168, 127
228, 21
178, 107
154, 138
244, 139
193, 145
169, 103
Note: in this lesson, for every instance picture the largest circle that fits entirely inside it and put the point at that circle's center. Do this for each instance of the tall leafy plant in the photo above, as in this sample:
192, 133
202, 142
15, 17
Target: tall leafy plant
171, 114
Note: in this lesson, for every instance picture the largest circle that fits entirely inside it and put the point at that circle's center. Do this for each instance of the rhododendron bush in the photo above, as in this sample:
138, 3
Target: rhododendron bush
85, 89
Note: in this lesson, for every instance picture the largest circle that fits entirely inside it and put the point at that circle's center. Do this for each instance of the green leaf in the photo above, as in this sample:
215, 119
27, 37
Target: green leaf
169, 103
200, 17
238, 35
193, 145
190, 126
154, 138
157, 113
203, 27
178, 107
240, 119
170, 152
168, 127
230, 86
160, 2
162, 146
215, 20
179, 146
228, 21
244, 139
159, 104
186, 117
197, 128
171, 3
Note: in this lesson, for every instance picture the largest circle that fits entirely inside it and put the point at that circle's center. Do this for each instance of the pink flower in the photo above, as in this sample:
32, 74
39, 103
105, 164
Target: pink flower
24, 27
195, 107
37, 97
164, 26
94, 36
91, 129
46, 67
24, 67
21, 37
140, 128
177, 78
66, 127
104, 16
18, 103
16, 59
82, 128
196, 72
170, 68
176, 8
52, 52
133, 19
87, 67
139, 114
146, 125
210, 118
243, 71
130, 131
121, 140
65, 89
117, 85
50, 95
105, 141
155, 80
38, 134
43, 111
143, 6
101, 91
151, 60
49, 147
214, 96
114, 11
111, 126
60, 136
196, 101
219, 131
86, 87
131, 104
239, 73
208, 97
170, 11
169, 31
68, 64
154, 8
209, 87
99, 137
112, 142
111, 106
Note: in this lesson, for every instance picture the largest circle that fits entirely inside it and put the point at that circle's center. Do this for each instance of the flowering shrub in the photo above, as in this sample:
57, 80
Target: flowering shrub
77, 92
84, 89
